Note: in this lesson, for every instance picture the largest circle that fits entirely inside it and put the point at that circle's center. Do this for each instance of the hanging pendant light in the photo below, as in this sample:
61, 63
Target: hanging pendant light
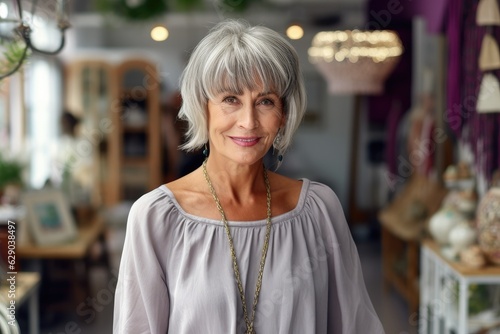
488, 13
30, 26
355, 61
489, 57
488, 100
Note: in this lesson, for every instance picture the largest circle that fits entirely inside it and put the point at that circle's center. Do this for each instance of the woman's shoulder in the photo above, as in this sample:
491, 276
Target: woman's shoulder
321, 195
322, 190
151, 202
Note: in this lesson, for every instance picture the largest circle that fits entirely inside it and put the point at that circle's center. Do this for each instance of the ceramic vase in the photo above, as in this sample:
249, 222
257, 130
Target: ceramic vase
461, 237
488, 224
442, 222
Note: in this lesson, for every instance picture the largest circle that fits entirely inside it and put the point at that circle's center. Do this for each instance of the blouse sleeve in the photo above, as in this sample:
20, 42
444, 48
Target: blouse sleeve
141, 299
350, 310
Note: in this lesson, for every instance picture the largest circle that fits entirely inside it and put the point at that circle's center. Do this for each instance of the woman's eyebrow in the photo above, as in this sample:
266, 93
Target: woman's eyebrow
267, 93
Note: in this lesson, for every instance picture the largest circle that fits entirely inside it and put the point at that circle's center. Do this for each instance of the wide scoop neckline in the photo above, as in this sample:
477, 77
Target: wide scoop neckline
241, 223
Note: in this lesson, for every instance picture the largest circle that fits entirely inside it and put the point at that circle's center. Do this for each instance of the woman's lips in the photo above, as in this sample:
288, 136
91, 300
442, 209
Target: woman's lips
245, 141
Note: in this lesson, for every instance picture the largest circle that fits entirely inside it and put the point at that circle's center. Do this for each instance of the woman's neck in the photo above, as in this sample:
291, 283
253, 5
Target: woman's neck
236, 182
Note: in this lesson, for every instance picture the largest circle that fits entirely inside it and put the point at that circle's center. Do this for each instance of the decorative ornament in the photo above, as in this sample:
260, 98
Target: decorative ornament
489, 57
22, 31
488, 224
441, 224
473, 257
461, 237
489, 95
488, 13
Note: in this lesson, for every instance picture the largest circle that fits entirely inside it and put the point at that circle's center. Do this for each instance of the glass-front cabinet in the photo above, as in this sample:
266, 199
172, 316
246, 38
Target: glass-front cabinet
119, 132
91, 90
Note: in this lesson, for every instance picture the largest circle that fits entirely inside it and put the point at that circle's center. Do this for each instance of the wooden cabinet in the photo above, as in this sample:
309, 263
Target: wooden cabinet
89, 96
120, 111
135, 149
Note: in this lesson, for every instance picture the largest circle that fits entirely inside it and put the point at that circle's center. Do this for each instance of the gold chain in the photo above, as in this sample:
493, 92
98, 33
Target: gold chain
249, 322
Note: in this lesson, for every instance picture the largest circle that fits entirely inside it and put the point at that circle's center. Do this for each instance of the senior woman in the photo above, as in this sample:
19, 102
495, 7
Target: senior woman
233, 247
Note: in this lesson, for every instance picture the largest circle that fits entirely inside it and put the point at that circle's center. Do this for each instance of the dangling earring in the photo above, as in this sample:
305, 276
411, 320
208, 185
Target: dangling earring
205, 151
277, 141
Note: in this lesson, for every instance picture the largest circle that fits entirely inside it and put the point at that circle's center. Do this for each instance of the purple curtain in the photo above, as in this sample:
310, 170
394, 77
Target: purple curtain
482, 129
454, 34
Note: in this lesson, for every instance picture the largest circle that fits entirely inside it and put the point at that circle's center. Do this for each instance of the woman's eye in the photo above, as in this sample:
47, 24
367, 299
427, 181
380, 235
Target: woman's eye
230, 99
267, 102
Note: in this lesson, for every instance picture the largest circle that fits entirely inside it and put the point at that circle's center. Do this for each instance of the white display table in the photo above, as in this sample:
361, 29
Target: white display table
444, 293
27, 284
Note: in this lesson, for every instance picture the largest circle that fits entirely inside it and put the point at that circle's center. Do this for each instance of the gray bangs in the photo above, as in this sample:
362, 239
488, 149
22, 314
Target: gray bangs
239, 67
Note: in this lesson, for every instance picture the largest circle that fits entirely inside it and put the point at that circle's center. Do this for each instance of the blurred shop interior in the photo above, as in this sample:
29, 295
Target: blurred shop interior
402, 123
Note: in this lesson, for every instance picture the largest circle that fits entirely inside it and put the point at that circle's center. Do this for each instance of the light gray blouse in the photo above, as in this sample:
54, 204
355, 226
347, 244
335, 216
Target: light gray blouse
176, 271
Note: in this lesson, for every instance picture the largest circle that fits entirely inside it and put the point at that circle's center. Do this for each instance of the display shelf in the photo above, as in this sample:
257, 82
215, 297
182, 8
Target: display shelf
446, 294
120, 110
136, 142
91, 90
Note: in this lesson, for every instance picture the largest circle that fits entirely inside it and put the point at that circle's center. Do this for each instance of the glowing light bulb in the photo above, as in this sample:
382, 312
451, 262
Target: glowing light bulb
295, 31
159, 33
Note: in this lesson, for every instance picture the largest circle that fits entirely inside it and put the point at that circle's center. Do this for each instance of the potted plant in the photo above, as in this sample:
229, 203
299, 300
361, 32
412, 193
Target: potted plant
11, 179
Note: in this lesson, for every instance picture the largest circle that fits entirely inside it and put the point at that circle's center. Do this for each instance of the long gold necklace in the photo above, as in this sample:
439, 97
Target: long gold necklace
249, 322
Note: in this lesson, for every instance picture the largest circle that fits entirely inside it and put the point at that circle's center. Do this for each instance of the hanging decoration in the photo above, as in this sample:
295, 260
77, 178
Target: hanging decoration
13, 57
489, 58
477, 132
488, 100
355, 61
25, 30
488, 13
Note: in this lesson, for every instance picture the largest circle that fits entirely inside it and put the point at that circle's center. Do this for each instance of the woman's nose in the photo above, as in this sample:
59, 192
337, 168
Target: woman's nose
248, 117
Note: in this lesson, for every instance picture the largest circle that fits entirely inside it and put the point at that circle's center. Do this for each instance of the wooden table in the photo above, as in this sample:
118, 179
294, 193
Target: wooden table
77, 251
27, 285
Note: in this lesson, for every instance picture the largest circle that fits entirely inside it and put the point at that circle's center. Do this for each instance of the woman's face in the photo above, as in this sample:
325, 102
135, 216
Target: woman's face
242, 127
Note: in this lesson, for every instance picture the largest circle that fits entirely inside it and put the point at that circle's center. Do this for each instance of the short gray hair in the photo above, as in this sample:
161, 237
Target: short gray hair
235, 56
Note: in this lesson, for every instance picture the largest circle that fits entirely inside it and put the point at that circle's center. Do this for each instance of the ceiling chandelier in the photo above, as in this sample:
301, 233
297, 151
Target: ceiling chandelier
355, 61
30, 26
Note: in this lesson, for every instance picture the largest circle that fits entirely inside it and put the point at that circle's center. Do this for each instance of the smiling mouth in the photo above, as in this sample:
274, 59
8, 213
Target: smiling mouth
245, 141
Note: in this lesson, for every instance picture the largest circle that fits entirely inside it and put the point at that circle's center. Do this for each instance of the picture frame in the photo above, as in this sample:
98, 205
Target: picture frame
49, 217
